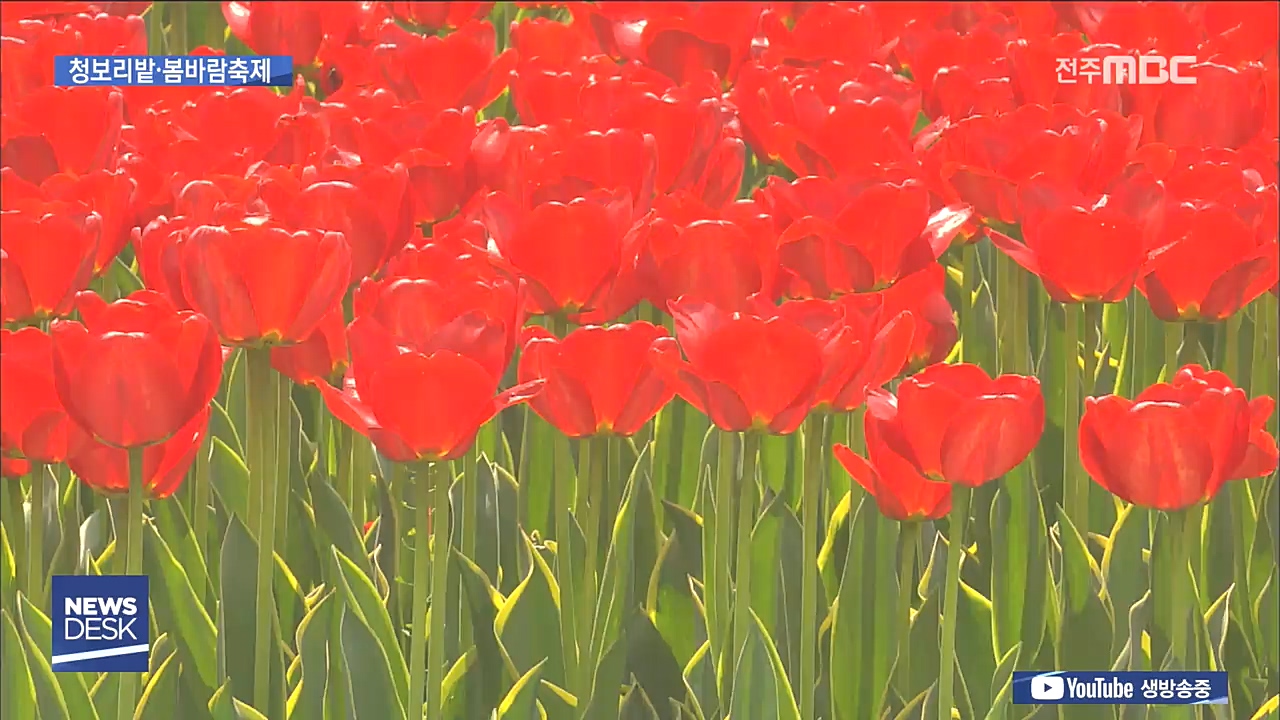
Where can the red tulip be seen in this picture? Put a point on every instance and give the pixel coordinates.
(569, 253)
(15, 468)
(1218, 263)
(900, 491)
(62, 129)
(743, 372)
(288, 28)
(1081, 253)
(321, 358)
(1175, 444)
(455, 71)
(49, 249)
(164, 465)
(1261, 456)
(598, 380)
(1227, 107)
(416, 406)
(921, 294)
(136, 371)
(858, 353)
(370, 206)
(849, 34)
(875, 234)
(447, 295)
(434, 16)
(956, 424)
(723, 256)
(259, 283)
(33, 423)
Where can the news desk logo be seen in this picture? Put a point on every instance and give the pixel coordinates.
(1128, 70)
(100, 623)
(1119, 688)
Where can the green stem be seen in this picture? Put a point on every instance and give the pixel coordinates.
(467, 523)
(593, 459)
(200, 497)
(128, 697)
(440, 477)
(178, 28)
(1173, 336)
(35, 550)
(960, 495)
(15, 522)
(155, 28)
(718, 576)
(968, 314)
(746, 522)
(1140, 342)
(421, 583)
(1075, 485)
(361, 471)
(284, 470)
(814, 458)
(1244, 516)
(263, 402)
(1180, 525)
(906, 591)
(562, 467)
(346, 447)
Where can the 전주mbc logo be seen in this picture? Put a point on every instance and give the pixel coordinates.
(1128, 70)
(100, 623)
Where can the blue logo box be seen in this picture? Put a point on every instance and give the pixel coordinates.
(1119, 688)
(173, 70)
(101, 623)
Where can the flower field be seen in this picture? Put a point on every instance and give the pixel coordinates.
(640, 360)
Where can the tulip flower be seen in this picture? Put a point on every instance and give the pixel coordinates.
(743, 372)
(136, 371)
(568, 253)
(164, 465)
(49, 250)
(1177, 443)
(321, 358)
(415, 405)
(33, 423)
(447, 284)
(259, 283)
(598, 380)
(877, 234)
(923, 296)
(1216, 264)
(84, 138)
(686, 248)
(900, 491)
(956, 424)
(108, 194)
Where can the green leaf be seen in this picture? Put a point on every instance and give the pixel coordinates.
(831, 557)
(777, 562)
(1020, 574)
(222, 428)
(224, 706)
(669, 600)
(864, 629)
(230, 477)
(607, 686)
(362, 599)
(37, 627)
(491, 663)
(652, 663)
(334, 523)
(761, 691)
(17, 689)
(123, 278)
(637, 706)
(178, 607)
(618, 581)
(1124, 572)
(1086, 614)
(529, 622)
(237, 619)
(307, 699)
(160, 696)
(370, 684)
(49, 698)
(521, 703)
(1002, 685)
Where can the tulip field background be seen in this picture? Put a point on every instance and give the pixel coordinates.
(629, 361)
